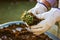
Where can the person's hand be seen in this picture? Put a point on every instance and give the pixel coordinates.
(38, 9)
(50, 18)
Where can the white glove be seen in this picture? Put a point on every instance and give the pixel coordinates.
(50, 18)
(39, 8)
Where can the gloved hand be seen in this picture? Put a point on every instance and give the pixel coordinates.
(39, 8)
(50, 18)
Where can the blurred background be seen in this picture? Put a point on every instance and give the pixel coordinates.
(11, 10)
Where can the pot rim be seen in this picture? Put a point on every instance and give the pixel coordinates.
(52, 36)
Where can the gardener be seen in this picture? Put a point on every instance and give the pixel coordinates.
(41, 12)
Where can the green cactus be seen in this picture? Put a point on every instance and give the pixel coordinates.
(29, 18)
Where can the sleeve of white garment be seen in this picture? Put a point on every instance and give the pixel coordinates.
(52, 2)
